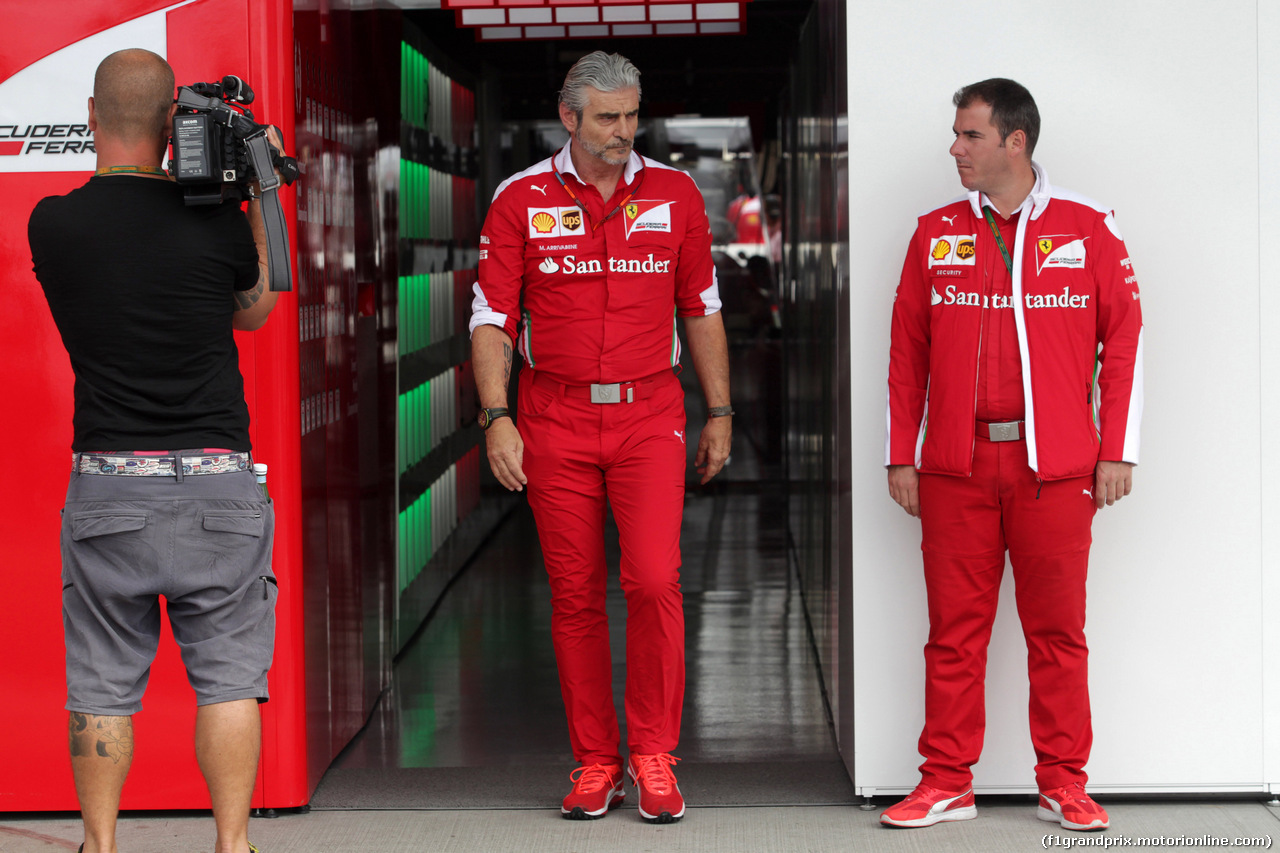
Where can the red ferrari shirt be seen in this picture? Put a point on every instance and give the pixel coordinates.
(590, 288)
(1000, 367)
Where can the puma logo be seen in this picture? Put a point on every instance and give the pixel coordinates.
(541, 189)
(679, 435)
(950, 220)
(1087, 493)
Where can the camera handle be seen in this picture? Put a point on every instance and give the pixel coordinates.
(279, 270)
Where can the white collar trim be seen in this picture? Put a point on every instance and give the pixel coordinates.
(1038, 200)
(564, 165)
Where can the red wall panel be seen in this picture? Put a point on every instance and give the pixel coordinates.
(328, 438)
(203, 41)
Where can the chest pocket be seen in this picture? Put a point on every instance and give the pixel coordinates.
(653, 235)
(1058, 253)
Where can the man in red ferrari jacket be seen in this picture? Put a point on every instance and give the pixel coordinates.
(1015, 395)
(586, 259)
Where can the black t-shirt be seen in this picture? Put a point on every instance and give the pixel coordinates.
(140, 287)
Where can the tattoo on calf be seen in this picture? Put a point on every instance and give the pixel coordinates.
(106, 737)
(76, 727)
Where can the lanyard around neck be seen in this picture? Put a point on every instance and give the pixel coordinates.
(583, 207)
(131, 170)
(1008, 262)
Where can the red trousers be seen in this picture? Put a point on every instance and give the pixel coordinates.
(578, 454)
(967, 524)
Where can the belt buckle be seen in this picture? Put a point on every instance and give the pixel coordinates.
(611, 393)
(1004, 432)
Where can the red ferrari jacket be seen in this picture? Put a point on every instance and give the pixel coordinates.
(1078, 315)
(590, 291)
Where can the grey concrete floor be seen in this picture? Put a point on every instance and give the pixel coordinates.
(740, 574)
(1000, 827)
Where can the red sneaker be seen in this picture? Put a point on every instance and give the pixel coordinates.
(1071, 807)
(660, 799)
(596, 789)
(926, 806)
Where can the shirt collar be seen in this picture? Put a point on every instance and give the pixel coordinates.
(564, 165)
(1037, 201)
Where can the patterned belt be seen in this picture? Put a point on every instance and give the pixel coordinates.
(159, 466)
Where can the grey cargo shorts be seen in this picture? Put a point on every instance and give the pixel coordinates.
(204, 544)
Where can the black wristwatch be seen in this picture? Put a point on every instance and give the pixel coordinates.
(488, 416)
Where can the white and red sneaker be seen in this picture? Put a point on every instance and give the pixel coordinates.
(596, 789)
(660, 798)
(1072, 808)
(926, 806)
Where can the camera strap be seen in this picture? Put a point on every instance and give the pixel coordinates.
(279, 270)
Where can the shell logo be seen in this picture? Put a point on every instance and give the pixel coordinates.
(941, 249)
(964, 249)
(1046, 246)
(543, 222)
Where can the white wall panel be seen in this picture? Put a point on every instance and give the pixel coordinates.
(1269, 330)
(1154, 109)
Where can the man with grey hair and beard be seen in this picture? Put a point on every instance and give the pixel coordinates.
(162, 500)
(586, 260)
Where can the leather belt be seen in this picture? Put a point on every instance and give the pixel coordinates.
(611, 392)
(131, 465)
(1001, 431)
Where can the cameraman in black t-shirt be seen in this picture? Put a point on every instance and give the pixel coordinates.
(162, 500)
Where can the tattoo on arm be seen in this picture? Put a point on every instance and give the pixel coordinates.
(506, 365)
(248, 298)
(106, 737)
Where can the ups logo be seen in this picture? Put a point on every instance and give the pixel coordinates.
(964, 249)
(571, 220)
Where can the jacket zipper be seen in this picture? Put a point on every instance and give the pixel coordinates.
(987, 284)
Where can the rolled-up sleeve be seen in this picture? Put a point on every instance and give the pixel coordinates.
(697, 289)
(501, 272)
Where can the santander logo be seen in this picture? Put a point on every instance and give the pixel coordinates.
(1066, 299)
(570, 265)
